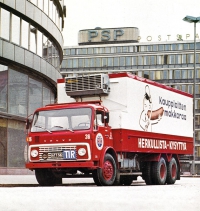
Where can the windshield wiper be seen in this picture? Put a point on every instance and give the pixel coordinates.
(42, 128)
(70, 130)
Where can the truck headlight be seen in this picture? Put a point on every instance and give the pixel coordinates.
(34, 153)
(82, 151)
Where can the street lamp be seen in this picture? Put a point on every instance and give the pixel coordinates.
(191, 19)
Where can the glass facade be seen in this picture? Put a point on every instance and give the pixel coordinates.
(170, 63)
(30, 57)
(22, 33)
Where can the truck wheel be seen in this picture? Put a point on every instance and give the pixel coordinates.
(95, 177)
(172, 170)
(126, 180)
(46, 177)
(159, 172)
(147, 173)
(107, 174)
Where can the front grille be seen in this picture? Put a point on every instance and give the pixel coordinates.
(55, 149)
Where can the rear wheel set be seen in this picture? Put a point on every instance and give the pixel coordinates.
(160, 172)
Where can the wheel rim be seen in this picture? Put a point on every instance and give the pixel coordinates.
(162, 171)
(173, 171)
(108, 170)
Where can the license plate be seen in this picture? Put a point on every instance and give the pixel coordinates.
(69, 154)
(56, 155)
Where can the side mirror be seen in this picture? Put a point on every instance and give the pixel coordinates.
(27, 124)
(106, 117)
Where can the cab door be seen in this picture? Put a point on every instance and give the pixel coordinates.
(103, 134)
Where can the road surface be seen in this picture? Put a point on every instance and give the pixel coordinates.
(23, 193)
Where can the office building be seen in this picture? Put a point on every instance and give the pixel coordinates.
(118, 50)
(31, 45)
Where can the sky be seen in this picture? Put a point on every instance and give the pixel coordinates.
(155, 19)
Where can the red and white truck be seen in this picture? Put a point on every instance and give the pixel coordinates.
(112, 127)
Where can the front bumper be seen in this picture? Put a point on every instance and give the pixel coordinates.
(34, 165)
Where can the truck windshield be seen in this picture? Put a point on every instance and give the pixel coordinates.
(63, 119)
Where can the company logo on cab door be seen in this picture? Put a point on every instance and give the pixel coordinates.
(99, 141)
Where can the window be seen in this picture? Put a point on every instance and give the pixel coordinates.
(87, 63)
(17, 93)
(146, 60)
(146, 74)
(104, 62)
(119, 49)
(190, 89)
(152, 75)
(140, 60)
(90, 50)
(184, 88)
(171, 59)
(184, 61)
(15, 29)
(75, 63)
(158, 75)
(159, 59)
(152, 60)
(177, 59)
(180, 46)
(39, 43)
(107, 50)
(174, 47)
(165, 74)
(160, 47)
(177, 74)
(128, 61)
(116, 61)
(98, 62)
(155, 47)
(3, 87)
(81, 63)
(122, 61)
(190, 58)
(46, 96)
(149, 48)
(35, 95)
(69, 63)
(134, 60)
(125, 49)
(184, 74)
(110, 62)
(167, 47)
(197, 89)
(92, 64)
(73, 51)
(25, 34)
(5, 24)
(171, 74)
(165, 59)
(33, 32)
(190, 74)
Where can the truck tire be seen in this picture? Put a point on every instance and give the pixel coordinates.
(106, 175)
(46, 177)
(147, 173)
(96, 178)
(172, 170)
(159, 172)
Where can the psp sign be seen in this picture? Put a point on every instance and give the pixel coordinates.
(105, 34)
